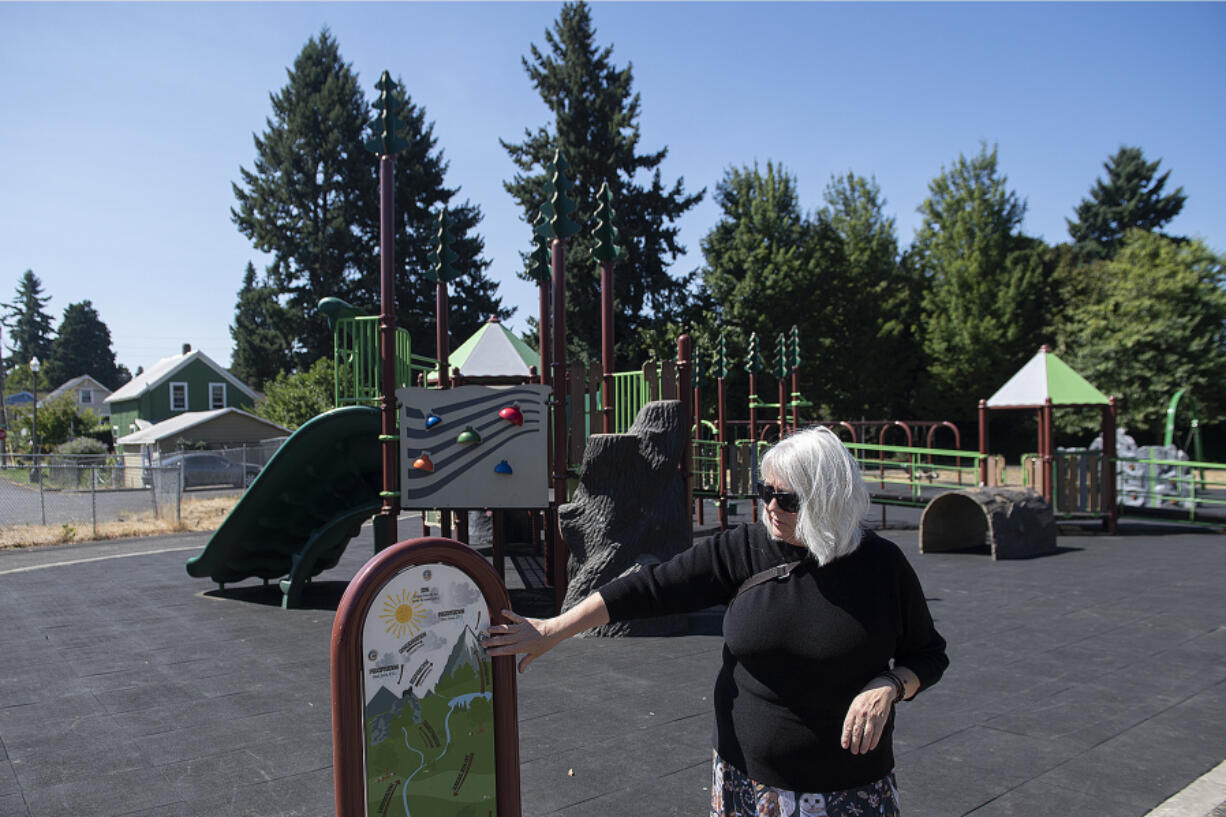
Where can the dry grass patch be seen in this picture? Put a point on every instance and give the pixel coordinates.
(196, 515)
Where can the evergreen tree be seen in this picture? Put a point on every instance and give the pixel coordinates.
(421, 190)
(83, 346)
(312, 201)
(984, 306)
(1152, 320)
(879, 315)
(311, 183)
(595, 124)
(261, 350)
(1131, 197)
(29, 326)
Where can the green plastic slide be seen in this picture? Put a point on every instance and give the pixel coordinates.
(312, 497)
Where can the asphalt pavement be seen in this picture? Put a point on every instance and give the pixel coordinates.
(1089, 682)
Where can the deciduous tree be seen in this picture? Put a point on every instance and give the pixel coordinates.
(768, 267)
(879, 304)
(292, 399)
(1152, 321)
(985, 300)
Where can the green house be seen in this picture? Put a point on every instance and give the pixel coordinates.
(190, 381)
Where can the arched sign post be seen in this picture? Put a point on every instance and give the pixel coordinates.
(424, 723)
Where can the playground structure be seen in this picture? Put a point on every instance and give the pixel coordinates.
(374, 361)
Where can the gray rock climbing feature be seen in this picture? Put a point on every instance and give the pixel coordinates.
(629, 510)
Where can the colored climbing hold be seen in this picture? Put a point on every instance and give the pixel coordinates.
(502, 467)
(432, 420)
(423, 463)
(468, 436)
(512, 414)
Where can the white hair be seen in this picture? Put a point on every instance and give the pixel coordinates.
(815, 464)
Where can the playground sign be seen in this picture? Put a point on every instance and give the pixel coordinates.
(423, 721)
(474, 447)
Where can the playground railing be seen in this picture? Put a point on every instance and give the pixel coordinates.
(899, 475)
(1173, 486)
(633, 390)
(357, 361)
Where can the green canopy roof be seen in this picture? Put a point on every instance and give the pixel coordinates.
(493, 351)
(1044, 376)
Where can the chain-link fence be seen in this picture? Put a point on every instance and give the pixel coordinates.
(84, 491)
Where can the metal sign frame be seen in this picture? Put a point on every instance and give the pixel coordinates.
(348, 705)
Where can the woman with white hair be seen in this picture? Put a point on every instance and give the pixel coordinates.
(826, 630)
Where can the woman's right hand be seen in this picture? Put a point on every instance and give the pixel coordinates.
(531, 637)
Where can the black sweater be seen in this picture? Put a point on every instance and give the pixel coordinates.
(797, 651)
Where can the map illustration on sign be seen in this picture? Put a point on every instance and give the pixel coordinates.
(427, 690)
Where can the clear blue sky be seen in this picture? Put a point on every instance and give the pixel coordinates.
(122, 126)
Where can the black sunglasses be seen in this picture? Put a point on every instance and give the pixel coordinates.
(788, 501)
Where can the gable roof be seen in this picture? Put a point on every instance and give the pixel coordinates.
(1044, 376)
(76, 383)
(190, 419)
(161, 371)
(494, 351)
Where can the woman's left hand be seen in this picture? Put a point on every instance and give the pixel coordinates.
(867, 716)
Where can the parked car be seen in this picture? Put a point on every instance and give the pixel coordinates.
(204, 468)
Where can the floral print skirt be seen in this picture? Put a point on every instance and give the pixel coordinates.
(735, 794)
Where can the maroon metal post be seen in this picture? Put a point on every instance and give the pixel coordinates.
(1049, 451)
(606, 343)
(696, 412)
(545, 337)
(722, 427)
(795, 398)
(753, 427)
(783, 410)
(546, 373)
(983, 442)
(389, 439)
(558, 262)
(443, 348)
(684, 349)
(1108, 468)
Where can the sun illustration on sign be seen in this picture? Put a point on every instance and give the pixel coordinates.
(401, 613)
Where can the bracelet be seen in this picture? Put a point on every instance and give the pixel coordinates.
(900, 689)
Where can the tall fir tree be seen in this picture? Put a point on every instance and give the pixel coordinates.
(311, 182)
(312, 202)
(421, 189)
(82, 345)
(29, 326)
(879, 313)
(986, 294)
(1131, 197)
(261, 349)
(595, 124)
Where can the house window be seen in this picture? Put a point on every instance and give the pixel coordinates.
(87, 397)
(217, 395)
(178, 397)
